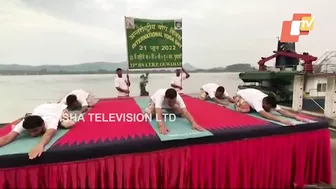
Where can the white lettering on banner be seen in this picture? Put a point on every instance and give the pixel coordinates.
(119, 117)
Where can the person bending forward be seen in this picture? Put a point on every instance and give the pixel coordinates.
(78, 99)
(172, 102)
(252, 99)
(44, 120)
(216, 93)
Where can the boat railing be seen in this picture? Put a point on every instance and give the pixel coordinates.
(326, 63)
(318, 68)
(248, 84)
(281, 68)
(312, 93)
(326, 57)
(325, 68)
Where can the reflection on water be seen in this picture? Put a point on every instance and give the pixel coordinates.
(20, 94)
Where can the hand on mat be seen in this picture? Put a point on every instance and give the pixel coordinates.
(197, 127)
(302, 119)
(286, 122)
(36, 152)
(163, 130)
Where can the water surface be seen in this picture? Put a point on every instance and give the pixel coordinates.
(20, 94)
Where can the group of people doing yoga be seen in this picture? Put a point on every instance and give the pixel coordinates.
(46, 118)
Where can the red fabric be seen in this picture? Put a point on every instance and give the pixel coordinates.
(268, 162)
(7, 128)
(213, 116)
(103, 129)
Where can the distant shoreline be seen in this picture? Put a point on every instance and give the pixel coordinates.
(105, 73)
(108, 68)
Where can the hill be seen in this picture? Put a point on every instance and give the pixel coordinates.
(84, 67)
(102, 68)
(237, 68)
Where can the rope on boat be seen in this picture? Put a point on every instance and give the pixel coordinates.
(317, 104)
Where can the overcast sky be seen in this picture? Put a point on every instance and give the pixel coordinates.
(215, 32)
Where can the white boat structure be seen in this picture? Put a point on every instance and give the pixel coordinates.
(319, 87)
(300, 82)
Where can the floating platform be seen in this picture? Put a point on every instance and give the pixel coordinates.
(236, 150)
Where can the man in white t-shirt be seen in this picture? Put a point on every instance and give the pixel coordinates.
(78, 99)
(121, 84)
(45, 120)
(176, 81)
(171, 101)
(143, 84)
(264, 104)
(216, 93)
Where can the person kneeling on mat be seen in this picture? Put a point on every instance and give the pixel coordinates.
(212, 91)
(172, 102)
(44, 119)
(248, 100)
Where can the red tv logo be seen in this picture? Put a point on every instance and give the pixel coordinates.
(301, 24)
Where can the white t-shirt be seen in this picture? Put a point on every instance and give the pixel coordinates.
(81, 97)
(51, 114)
(254, 98)
(159, 99)
(121, 83)
(177, 80)
(211, 88)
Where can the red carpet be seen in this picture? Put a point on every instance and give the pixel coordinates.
(104, 129)
(7, 128)
(267, 162)
(212, 116)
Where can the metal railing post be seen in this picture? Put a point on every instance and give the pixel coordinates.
(330, 98)
(298, 86)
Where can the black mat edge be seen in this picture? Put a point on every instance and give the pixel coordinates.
(83, 151)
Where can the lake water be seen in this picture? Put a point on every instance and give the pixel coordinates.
(21, 94)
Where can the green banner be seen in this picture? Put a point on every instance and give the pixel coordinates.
(153, 44)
